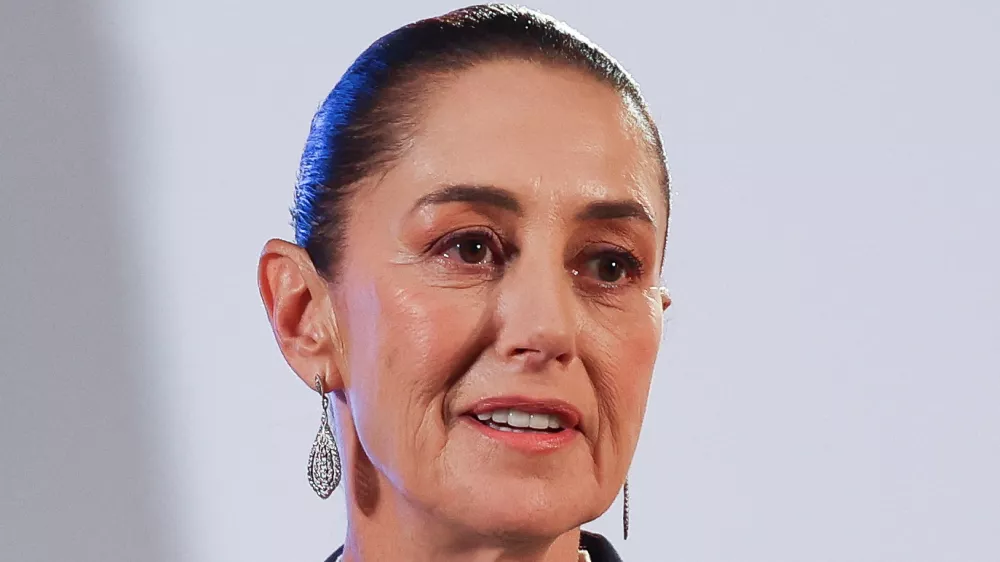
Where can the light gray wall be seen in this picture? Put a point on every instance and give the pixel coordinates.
(827, 388)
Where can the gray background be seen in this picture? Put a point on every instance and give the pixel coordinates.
(828, 385)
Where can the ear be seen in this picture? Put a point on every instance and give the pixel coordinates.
(298, 306)
(665, 298)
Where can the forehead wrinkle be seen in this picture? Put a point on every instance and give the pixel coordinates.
(602, 146)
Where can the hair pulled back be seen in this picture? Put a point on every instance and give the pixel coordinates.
(365, 123)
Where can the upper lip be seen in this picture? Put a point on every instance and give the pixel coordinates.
(568, 415)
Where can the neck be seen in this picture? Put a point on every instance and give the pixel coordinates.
(422, 543)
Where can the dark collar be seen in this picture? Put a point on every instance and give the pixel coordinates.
(598, 547)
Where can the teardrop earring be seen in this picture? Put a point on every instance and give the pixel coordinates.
(324, 458)
(625, 510)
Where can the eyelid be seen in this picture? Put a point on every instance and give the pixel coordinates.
(448, 241)
(634, 266)
(504, 252)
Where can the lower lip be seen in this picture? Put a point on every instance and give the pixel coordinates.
(526, 441)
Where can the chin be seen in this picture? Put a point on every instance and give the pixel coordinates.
(515, 526)
(525, 508)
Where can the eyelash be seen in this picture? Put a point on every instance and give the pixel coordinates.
(634, 266)
(493, 244)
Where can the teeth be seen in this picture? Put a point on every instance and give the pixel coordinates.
(520, 420)
(539, 421)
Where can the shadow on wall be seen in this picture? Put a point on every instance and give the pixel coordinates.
(75, 481)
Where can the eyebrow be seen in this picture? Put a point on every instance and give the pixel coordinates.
(501, 198)
(617, 209)
(481, 194)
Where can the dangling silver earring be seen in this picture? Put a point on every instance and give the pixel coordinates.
(324, 459)
(625, 510)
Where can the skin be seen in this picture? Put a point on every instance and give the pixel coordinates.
(411, 334)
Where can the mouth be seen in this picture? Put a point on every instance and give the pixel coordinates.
(519, 421)
(526, 424)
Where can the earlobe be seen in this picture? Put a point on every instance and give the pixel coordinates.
(298, 308)
(665, 298)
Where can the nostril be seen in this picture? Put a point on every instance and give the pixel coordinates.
(537, 358)
(536, 345)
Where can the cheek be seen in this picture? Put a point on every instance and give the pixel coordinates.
(428, 334)
(640, 356)
(627, 346)
(640, 347)
(405, 347)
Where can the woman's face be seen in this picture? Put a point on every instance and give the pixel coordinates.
(506, 266)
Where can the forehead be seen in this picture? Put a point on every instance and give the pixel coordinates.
(544, 131)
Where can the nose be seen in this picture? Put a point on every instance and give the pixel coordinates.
(537, 312)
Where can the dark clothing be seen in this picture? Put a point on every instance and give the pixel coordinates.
(598, 547)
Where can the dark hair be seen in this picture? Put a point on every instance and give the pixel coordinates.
(365, 122)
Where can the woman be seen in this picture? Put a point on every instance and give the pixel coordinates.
(480, 220)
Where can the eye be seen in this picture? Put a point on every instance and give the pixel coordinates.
(473, 248)
(470, 251)
(609, 268)
(612, 267)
